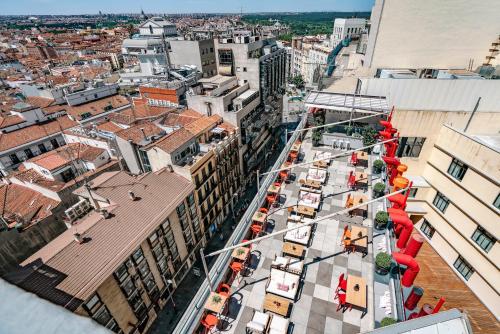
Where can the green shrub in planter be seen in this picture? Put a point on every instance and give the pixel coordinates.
(383, 263)
(378, 165)
(381, 219)
(378, 189)
(387, 321)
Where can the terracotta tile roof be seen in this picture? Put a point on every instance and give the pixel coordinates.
(203, 124)
(181, 119)
(19, 203)
(41, 102)
(82, 268)
(109, 127)
(34, 132)
(97, 107)
(62, 156)
(54, 109)
(10, 120)
(173, 141)
(32, 176)
(135, 133)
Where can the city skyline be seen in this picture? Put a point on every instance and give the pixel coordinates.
(54, 7)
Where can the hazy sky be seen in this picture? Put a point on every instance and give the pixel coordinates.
(34, 7)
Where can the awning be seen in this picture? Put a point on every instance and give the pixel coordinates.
(347, 102)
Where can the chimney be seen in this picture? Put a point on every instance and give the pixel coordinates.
(78, 238)
(132, 195)
(104, 213)
(170, 168)
(93, 201)
(144, 134)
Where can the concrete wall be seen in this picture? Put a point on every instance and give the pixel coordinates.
(90, 95)
(199, 53)
(415, 123)
(431, 34)
(16, 246)
(127, 151)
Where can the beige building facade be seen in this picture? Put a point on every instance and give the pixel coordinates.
(458, 195)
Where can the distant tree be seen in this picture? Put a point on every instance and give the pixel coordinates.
(285, 37)
(298, 81)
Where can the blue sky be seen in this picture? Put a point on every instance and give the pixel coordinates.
(37, 7)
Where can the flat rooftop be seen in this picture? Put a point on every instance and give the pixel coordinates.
(347, 102)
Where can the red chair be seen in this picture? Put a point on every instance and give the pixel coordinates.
(224, 289)
(264, 210)
(271, 199)
(209, 322)
(236, 267)
(351, 180)
(256, 229)
(249, 246)
(343, 302)
(342, 285)
(354, 159)
(283, 175)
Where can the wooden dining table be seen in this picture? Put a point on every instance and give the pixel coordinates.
(356, 291)
(293, 249)
(295, 147)
(361, 178)
(311, 184)
(358, 199)
(305, 211)
(359, 238)
(273, 189)
(215, 302)
(276, 304)
(259, 217)
(240, 253)
(320, 164)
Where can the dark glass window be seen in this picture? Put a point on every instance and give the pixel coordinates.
(441, 202)
(427, 229)
(29, 153)
(496, 204)
(138, 255)
(457, 169)
(413, 192)
(464, 268)
(483, 239)
(410, 146)
(14, 159)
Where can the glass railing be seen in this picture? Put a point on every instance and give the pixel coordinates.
(193, 313)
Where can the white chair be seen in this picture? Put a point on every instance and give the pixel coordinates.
(278, 325)
(348, 145)
(258, 324)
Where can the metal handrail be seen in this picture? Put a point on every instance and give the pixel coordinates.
(191, 317)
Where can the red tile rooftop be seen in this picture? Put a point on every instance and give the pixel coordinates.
(19, 203)
(34, 132)
(64, 155)
(136, 135)
(97, 107)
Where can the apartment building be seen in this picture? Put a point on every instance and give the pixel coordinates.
(346, 28)
(460, 196)
(112, 269)
(309, 58)
(200, 53)
(235, 103)
(262, 65)
(204, 151)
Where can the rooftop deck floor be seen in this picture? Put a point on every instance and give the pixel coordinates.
(434, 271)
(314, 309)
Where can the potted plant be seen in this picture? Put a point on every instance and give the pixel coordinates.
(383, 263)
(378, 189)
(369, 137)
(387, 321)
(316, 137)
(216, 299)
(381, 219)
(240, 252)
(378, 165)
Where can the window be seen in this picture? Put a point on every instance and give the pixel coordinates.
(42, 148)
(483, 239)
(14, 159)
(441, 202)
(145, 161)
(29, 153)
(463, 268)
(457, 169)
(413, 192)
(54, 143)
(427, 229)
(496, 204)
(410, 146)
(138, 256)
